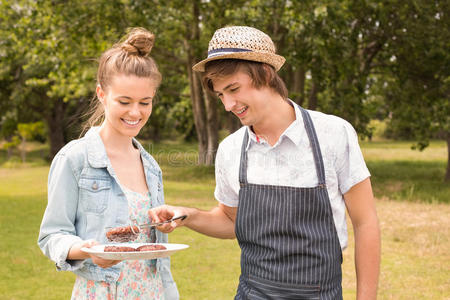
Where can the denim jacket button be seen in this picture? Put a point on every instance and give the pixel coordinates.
(159, 186)
(95, 186)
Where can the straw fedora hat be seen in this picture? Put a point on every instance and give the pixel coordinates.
(241, 42)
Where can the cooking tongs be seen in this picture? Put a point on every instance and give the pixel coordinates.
(129, 233)
(148, 225)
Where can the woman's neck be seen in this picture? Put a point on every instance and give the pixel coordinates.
(115, 143)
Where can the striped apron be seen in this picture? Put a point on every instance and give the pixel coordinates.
(289, 244)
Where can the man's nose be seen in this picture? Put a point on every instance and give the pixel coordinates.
(228, 102)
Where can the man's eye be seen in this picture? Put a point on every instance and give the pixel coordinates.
(234, 89)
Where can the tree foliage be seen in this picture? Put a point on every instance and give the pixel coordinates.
(355, 59)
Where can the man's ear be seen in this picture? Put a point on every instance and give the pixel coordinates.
(100, 94)
(268, 73)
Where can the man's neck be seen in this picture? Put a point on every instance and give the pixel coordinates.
(281, 116)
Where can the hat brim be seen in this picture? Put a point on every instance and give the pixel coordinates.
(274, 60)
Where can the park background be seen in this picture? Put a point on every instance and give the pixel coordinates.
(382, 65)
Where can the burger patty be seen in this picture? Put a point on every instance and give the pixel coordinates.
(131, 249)
(122, 234)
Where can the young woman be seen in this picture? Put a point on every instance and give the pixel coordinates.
(106, 179)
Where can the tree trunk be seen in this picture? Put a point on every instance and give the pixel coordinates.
(233, 123)
(9, 150)
(55, 123)
(9, 153)
(299, 86)
(312, 100)
(212, 128)
(447, 174)
(23, 149)
(205, 115)
(199, 112)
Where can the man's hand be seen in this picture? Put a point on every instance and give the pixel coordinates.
(167, 212)
(218, 222)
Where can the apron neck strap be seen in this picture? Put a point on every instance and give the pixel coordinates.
(315, 147)
(243, 164)
(309, 126)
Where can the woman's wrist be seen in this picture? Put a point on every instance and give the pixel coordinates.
(75, 252)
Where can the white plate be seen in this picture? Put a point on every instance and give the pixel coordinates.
(170, 249)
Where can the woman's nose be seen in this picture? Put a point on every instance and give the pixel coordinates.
(134, 110)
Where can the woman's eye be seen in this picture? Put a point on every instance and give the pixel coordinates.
(145, 103)
(123, 103)
(234, 90)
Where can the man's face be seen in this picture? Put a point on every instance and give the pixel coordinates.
(240, 97)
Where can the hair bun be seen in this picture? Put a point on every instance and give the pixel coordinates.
(138, 41)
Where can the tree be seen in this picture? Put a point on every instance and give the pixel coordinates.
(183, 29)
(416, 84)
(49, 49)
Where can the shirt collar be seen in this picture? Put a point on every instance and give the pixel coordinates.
(294, 131)
(96, 151)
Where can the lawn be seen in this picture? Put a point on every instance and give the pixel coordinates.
(412, 207)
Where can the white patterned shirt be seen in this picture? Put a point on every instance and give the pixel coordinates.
(290, 162)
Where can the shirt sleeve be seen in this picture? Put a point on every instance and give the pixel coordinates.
(350, 165)
(224, 192)
(57, 233)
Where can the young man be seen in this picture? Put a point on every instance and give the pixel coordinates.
(283, 181)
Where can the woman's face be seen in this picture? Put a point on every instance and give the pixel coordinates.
(128, 104)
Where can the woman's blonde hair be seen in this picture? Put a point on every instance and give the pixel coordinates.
(128, 57)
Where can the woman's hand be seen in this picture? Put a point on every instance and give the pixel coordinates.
(75, 253)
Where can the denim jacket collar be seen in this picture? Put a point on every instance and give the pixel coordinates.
(97, 156)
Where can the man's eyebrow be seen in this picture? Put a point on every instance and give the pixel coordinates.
(227, 87)
(129, 98)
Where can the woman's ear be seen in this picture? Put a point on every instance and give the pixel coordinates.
(100, 94)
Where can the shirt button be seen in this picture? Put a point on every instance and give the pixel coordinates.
(95, 186)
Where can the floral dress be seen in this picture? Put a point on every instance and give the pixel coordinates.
(139, 279)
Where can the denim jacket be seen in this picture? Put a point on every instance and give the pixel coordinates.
(85, 197)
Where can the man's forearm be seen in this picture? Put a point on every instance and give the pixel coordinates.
(367, 260)
(214, 223)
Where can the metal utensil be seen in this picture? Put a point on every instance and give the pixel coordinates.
(129, 233)
(161, 223)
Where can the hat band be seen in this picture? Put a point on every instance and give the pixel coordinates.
(225, 51)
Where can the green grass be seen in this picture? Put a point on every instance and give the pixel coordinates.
(400, 173)
(414, 222)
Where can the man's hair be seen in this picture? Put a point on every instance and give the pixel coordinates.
(261, 74)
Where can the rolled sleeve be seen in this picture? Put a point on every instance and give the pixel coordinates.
(350, 165)
(224, 191)
(57, 233)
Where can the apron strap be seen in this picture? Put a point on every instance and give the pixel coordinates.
(309, 126)
(243, 164)
(315, 147)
